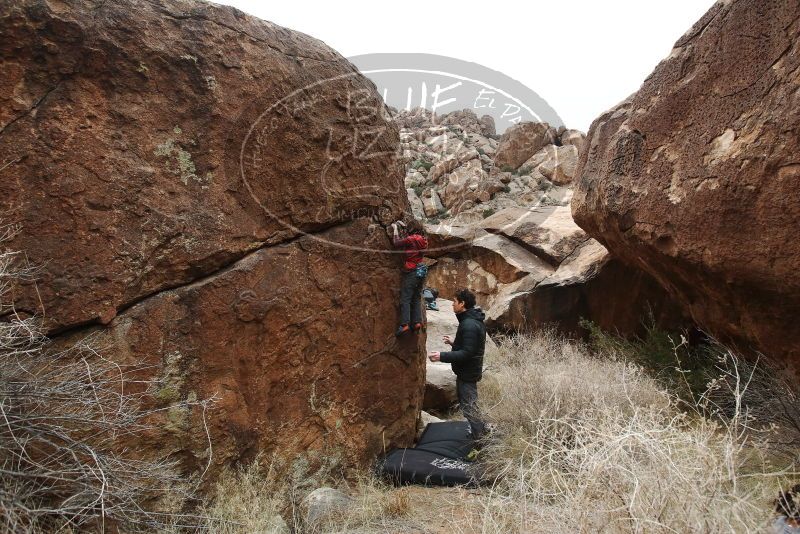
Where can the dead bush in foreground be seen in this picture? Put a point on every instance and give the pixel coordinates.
(588, 443)
(63, 417)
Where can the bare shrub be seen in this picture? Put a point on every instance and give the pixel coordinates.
(65, 415)
(765, 399)
(710, 378)
(593, 444)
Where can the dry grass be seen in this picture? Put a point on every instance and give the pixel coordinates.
(582, 443)
(250, 500)
(269, 497)
(376, 507)
(589, 444)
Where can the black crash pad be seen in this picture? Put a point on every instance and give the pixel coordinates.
(439, 458)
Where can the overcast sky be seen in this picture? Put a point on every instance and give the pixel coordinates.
(581, 56)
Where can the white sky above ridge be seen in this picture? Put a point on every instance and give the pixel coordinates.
(582, 57)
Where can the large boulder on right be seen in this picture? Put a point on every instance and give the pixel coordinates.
(694, 178)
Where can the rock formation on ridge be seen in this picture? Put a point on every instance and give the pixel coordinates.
(506, 231)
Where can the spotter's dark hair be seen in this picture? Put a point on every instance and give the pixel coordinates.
(467, 297)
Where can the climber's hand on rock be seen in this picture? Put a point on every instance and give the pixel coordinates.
(447, 340)
(434, 356)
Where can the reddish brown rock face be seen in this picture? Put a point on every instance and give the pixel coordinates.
(203, 183)
(694, 178)
(296, 342)
(146, 144)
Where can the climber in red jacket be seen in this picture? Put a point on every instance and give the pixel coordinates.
(414, 244)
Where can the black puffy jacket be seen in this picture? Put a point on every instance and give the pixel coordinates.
(468, 346)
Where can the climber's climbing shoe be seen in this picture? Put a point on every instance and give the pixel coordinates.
(402, 329)
(418, 327)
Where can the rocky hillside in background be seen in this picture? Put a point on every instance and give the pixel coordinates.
(185, 208)
(497, 213)
(459, 170)
(694, 178)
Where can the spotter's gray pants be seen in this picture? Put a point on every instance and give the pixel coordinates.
(468, 400)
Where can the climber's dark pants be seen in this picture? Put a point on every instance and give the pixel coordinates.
(410, 301)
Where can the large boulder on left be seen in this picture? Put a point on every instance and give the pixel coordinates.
(208, 191)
